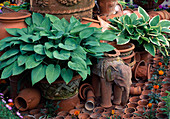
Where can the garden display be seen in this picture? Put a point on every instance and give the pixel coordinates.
(95, 59)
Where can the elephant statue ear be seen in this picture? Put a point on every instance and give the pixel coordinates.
(111, 73)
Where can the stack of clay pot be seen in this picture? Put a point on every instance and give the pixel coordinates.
(163, 14)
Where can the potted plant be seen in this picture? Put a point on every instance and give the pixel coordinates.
(147, 34)
(52, 49)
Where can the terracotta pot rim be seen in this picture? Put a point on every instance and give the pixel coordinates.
(128, 57)
(14, 15)
(89, 19)
(83, 87)
(117, 53)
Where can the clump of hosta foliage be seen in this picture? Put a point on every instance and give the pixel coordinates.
(52, 48)
(149, 33)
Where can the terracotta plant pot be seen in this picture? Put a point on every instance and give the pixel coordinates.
(132, 104)
(137, 113)
(64, 9)
(134, 99)
(135, 90)
(140, 108)
(145, 97)
(143, 55)
(28, 98)
(71, 112)
(161, 116)
(63, 113)
(142, 102)
(98, 110)
(162, 104)
(94, 23)
(83, 116)
(127, 116)
(127, 11)
(140, 85)
(106, 114)
(12, 20)
(146, 92)
(130, 110)
(95, 115)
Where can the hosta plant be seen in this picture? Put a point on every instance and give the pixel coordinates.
(148, 33)
(52, 48)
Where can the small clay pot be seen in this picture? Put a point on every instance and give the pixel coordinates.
(142, 102)
(127, 116)
(134, 99)
(63, 113)
(106, 114)
(135, 90)
(145, 97)
(132, 104)
(34, 111)
(146, 92)
(95, 115)
(140, 84)
(69, 117)
(138, 113)
(148, 83)
(73, 110)
(98, 110)
(141, 108)
(28, 98)
(130, 110)
(162, 104)
(83, 116)
(79, 105)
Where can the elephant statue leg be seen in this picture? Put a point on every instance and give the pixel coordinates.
(117, 95)
(125, 96)
(96, 85)
(106, 91)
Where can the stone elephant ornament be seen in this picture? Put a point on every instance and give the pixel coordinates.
(111, 76)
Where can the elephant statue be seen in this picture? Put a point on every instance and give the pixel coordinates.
(111, 76)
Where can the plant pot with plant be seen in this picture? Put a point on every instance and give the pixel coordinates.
(145, 33)
(53, 50)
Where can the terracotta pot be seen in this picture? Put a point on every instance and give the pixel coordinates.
(136, 12)
(71, 112)
(64, 9)
(142, 102)
(132, 104)
(83, 116)
(63, 113)
(127, 116)
(106, 114)
(54, 91)
(98, 110)
(68, 104)
(107, 7)
(129, 110)
(127, 11)
(134, 99)
(28, 98)
(95, 115)
(94, 23)
(163, 14)
(12, 20)
(145, 97)
(149, 83)
(141, 108)
(146, 92)
(141, 70)
(149, 5)
(162, 104)
(137, 113)
(68, 117)
(135, 90)
(143, 55)
(140, 84)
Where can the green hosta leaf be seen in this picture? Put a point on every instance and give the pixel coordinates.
(52, 72)
(4, 45)
(63, 55)
(38, 73)
(163, 39)
(165, 30)
(31, 62)
(58, 26)
(22, 59)
(8, 39)
(67, 75)
(127, 20)
(9, 54)
(150, 48)
(38, 29)
(12, 31)
(7, 72)
(25, 30)
(155, 41)
(133, 18)
(144, 14)
(52, 17)
(165, 23)
(46, 24)
(39, 57)
(108, 35)
(154, 21)
(25, 38)
(49, 54)
(129, 29)
(8, 62)
(86, 32)
(121, 40)
(49, 45)
(57, 35)
(79, 52)
(37, 18)
(73, 19)
(83, 74)
(146, 39)
(70, 44)
(70, 27)
(28, 21)
(39, 49)
(28, 47)
(92, 41)
(78, 28)
(77, 64)
(88, 62)
(20, 32)
(64, 22)
(104, 47)
(17, 69)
